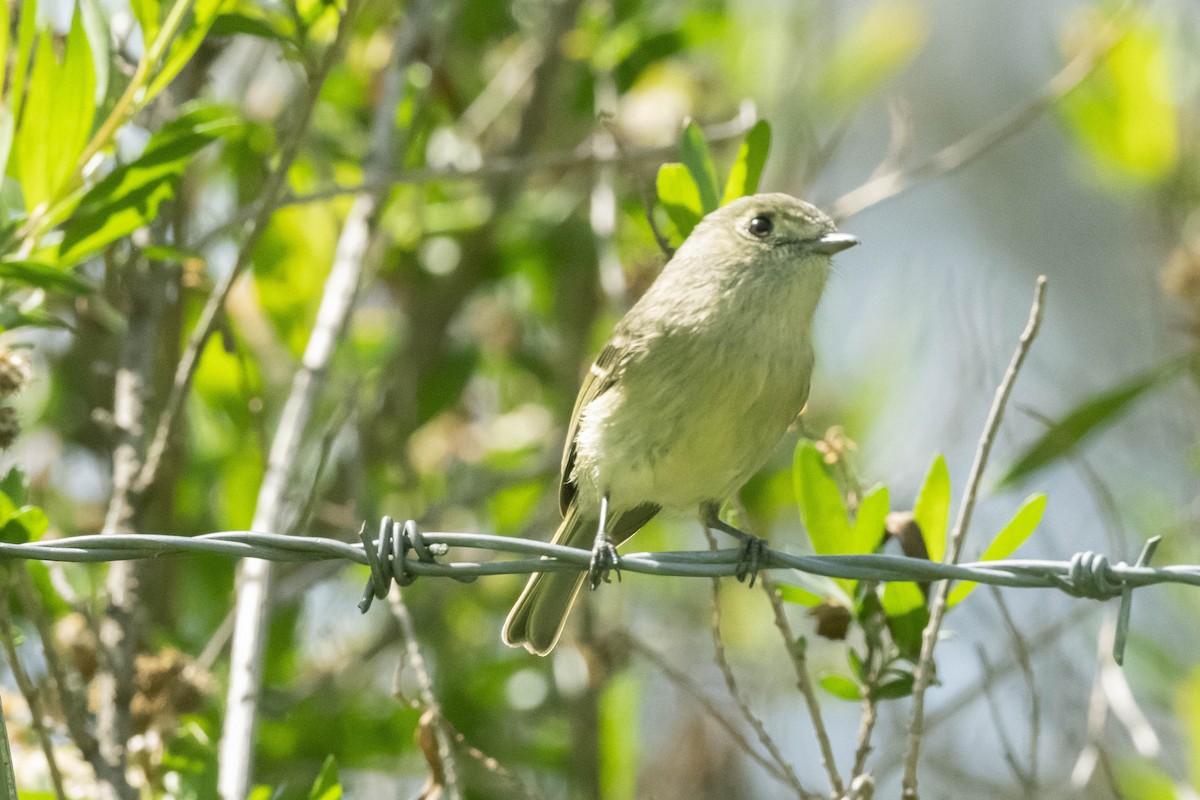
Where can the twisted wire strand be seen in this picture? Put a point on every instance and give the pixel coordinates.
(402, 553)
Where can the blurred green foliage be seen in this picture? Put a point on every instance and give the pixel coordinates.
(133, 161)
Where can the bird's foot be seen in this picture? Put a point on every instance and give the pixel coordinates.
(604, 561)
(750, 561)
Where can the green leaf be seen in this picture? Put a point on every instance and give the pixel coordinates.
(130, 195)
(6, 137)
(895, 689)
(5, 25)
(907, 615)
(1087, 418)
(26, 525)
(680, 197)
(748, 166)
(42, 276)
(256, 25)
(811, 590)
(149, 15)
(7, 511)
(204, 14)
(327, 786)
(867, 533)
(1124, 114)
(57, 120)
(932, 509)
(95, 25)
(1010, 537)
(840, 686)
(698, 160)
(25, 38)
(822, 508)
(13, 485)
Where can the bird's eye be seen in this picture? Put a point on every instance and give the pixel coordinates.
(761, 226)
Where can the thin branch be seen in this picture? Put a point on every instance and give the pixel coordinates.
(119, 629)
(1006, 744)
(985, 138)
(924, 671)
(870, 705)
(587, 156)
(255, 226)
(72, 698)
(416, 661)
(30, 692)
(1021, 649)
(735, 692)
(799, 659)
(707, 704)
(237, 741)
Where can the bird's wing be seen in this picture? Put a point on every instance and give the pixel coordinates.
(599, 379)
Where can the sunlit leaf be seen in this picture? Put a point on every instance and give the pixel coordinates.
(840, 686)
(95, 25)
(822, 507)
(42, 276)
(806, 589)
(28, 524)
(698, 159)
(327, 786)
(6, 137)
(58, 114)
(5, 24)
(27, 28)
(868, 530)
(1010, 537)
(679, 197)
(904, 604)
(748, 166)
(932, 509)
(204, 14)
(1090, 416)
(130, 195)
(1124, 113)
(148, 14)
(883, 42)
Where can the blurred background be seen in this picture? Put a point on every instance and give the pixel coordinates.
(970, 146)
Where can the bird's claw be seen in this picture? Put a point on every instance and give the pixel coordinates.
(604, 561)
(751, 558)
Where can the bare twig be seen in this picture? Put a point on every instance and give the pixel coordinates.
(71, 697)
(1006, 744)
(587, 155)
(119, 628)
(1021, 649)
(416, 661)
(30, 692)
(685, 682)
(735, 692)
(799, 659)
(237, 741)
(255, 225)
(488, 762)
(988, 136)
(924, 671)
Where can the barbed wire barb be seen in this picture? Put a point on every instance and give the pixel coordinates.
(402, 553)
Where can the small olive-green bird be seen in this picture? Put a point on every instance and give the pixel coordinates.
(692, 392)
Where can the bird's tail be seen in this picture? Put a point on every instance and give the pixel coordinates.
(540, 613)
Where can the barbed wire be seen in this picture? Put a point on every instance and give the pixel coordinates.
(402, 553)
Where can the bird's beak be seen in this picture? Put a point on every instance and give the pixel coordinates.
(832, 243)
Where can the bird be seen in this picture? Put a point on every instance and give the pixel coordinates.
(698, 382)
